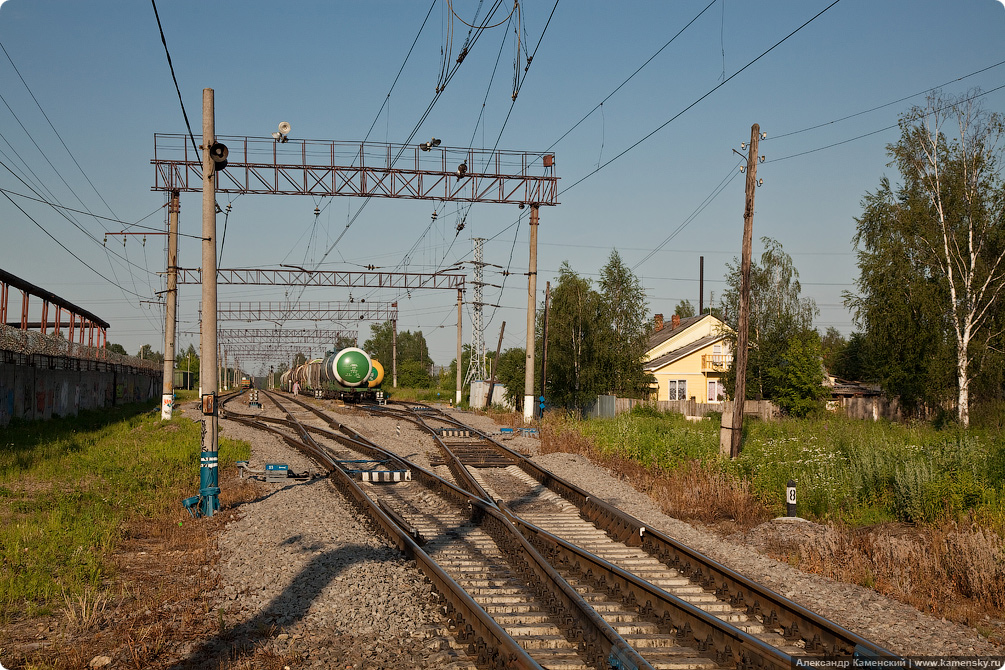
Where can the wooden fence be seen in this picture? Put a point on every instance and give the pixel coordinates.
(608, 406)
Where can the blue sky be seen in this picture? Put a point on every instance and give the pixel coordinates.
(99, 72)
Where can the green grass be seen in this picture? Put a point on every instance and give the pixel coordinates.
(68, 485)
(860, 472)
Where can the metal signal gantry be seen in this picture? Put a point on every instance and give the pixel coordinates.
(361, 169)
(307, 311)
(264, 336)
(261, 277)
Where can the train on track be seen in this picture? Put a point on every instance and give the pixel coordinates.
(350, 375)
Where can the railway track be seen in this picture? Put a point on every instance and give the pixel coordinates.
(534, 572)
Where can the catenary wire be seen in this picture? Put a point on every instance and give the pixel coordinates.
(693, 104)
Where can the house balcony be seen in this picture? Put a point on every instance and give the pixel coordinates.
(716, 362)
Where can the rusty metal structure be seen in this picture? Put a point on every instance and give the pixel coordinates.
(350, 279)
(80, 324)
(307, 311)
(361, 169)
(319, 337)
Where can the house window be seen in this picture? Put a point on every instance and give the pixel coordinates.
(677, 389)
(715, 390)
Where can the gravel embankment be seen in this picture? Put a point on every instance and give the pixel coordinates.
(300, 558)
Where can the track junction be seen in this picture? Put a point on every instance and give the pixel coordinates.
(533, 572)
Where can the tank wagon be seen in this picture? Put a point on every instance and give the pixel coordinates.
(350, 375)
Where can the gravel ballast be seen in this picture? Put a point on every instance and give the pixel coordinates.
(335, 593)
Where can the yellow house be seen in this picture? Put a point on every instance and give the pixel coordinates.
(688, 358)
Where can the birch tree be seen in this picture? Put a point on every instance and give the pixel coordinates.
(950, 154)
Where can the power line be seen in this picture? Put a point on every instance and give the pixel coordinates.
(720, 187)
(888, 104)
(874, 132)
(631, 76)
(128, 224)
(710, 92)
(82, 261)
(46, 116)
(173, 77)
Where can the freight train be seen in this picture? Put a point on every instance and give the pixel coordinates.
(350, 375)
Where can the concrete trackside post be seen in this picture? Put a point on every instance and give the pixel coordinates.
(209, 481)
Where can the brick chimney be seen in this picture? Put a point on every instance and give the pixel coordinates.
(659, 323)
(674, 322)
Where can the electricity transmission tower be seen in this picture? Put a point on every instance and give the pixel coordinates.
(477, 368)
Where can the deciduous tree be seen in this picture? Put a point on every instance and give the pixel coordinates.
(625, 327)
(948, 217)
(778, 314)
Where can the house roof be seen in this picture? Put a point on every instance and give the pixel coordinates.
(846, 388)
(681, 352)
(666, 332)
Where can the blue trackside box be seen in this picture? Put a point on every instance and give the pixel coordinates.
(276, 473)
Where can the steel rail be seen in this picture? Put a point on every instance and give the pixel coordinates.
(604, 637)
(602, 645)
(820, 635)
(475, 626)
(694, 626)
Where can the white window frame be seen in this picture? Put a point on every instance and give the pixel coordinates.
(715, 389)
(676, 389)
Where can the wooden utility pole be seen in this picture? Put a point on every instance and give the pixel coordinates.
(743, 325)
(495, 366)
(167, 387)
(701, 285)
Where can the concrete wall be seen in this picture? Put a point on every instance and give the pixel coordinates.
(38, 386)
(479, 391)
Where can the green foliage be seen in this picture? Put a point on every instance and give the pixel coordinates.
(596, 340)
(684, 309)
(658, 439)
(798, 376)
(414, 374)
(777, 369)
(146, 352)
(574, 341)
(905, 344)
(511, 373)
(67, 485)
(931, 253)
(832, 346)
(860, 472)
(116, 348)
(624, 329)
(411, 346)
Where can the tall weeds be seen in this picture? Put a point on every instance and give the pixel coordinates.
(861, 479)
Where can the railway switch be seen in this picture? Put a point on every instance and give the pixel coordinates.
(274, 473)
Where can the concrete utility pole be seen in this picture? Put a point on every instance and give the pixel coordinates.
(544, 340)
(167, 387)
(394, 353)
(740, 360)
(528, 381)
(460, 315)
(209, 476)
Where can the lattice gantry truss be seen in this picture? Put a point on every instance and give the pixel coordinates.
(339, 312)
(361, 169)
